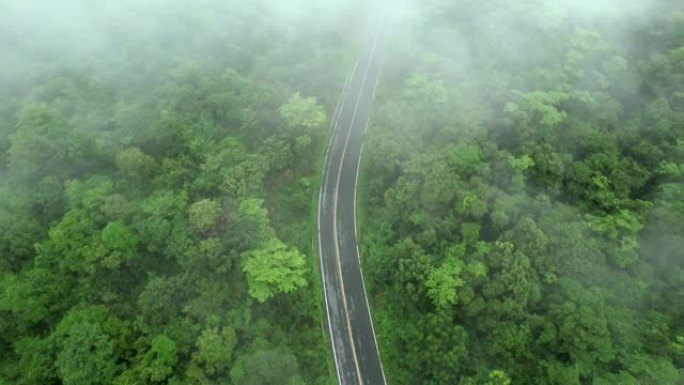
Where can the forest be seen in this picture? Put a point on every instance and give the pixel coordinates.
(158, 167)
(523, 194)
(521, 207)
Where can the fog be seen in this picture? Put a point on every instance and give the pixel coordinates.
(92, 23)
(501, 61)
(72, 29)
(161, 124)
(516, 29)
(553, 125)
(130, 41)
(520, 194)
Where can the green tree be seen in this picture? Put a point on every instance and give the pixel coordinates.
(86, 356)
(162, 299)
(161, 359)
(252, 224)
(274, 268)
(35, 296)
(268, 367)
(443, 282)
(215, 350)
(203, 214)
(134, 164)
(303, 113)
(120, 242)
(38, 146)
(36, 361)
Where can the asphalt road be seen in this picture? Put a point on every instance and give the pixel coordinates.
(349, 320)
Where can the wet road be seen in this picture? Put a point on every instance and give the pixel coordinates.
(351, 329)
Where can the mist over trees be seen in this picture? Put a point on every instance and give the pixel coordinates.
(158, 163)
(522, 193)
(522, 190)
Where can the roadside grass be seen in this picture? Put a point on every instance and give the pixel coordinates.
(293, 207)
(294, 217)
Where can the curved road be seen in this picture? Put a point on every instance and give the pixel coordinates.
(348, 316)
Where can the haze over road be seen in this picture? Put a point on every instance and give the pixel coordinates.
(351, 329)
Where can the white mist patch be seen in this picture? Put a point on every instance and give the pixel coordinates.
(297, 11)
(38, 22)
(605, 8)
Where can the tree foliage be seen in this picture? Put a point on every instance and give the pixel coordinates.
(273, 268)
(155, 176)
(302, 112)
(522, 204)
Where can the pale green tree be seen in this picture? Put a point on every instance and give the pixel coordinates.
(303, 112)
(215, 350)
(203, 214)
(274, 268)
(134, 164)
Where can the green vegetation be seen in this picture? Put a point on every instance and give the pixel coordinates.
(158, 167)
(524, 216)
(522, 191)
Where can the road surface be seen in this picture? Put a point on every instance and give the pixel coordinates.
(355, 349)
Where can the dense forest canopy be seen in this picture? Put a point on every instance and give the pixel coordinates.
(158, 167)
(522, 190)
(523, 193)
